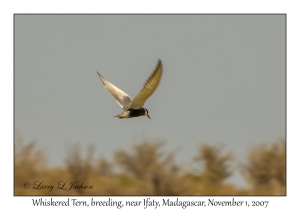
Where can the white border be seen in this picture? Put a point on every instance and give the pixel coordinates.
(8, 8)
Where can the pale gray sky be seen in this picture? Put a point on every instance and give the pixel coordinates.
(223, 80)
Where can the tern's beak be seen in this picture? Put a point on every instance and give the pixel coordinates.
(148, 117)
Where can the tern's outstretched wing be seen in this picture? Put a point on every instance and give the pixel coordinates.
(121, 97)
(148, 88)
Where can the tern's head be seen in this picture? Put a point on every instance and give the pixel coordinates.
(147, 113)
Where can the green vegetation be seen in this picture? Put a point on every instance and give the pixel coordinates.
(147, 170)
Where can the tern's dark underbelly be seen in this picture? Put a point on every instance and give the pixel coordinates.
(136, 112)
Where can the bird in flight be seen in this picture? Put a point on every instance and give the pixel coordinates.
(135, 107)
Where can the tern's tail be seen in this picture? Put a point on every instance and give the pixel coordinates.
(121, 116)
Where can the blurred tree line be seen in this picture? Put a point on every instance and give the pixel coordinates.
(148, 170)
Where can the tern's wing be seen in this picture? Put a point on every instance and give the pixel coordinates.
(121, 97)
(148, 89)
